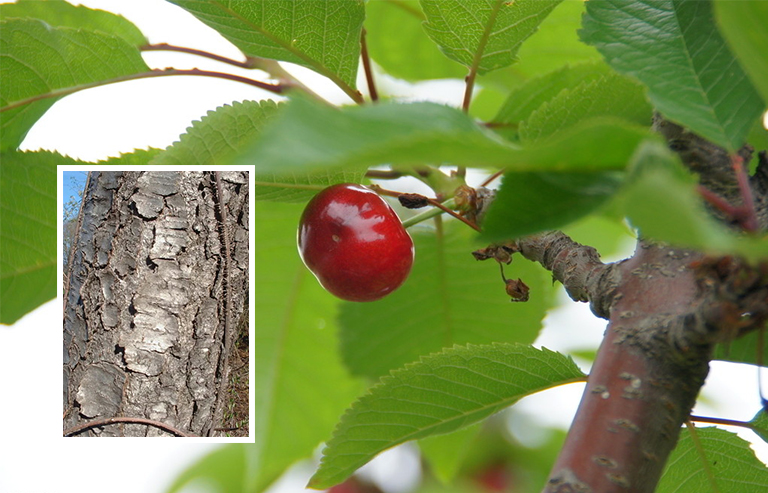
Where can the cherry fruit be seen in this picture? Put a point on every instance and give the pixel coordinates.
(354, 243)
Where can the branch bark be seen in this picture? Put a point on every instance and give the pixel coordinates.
(667, 308)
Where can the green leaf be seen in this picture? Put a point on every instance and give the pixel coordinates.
(483, 35)
(441, 393)
(223, 133)
(300, 386)
(410, 55)
(58, 13)
(556, 43)
(219, 135)
(449, 298)
(309, 137)
(660, 184)
(758, 139)
(743, 26)
(40, 61)
(445, 453)
(529, 202)
(27, 231)
(415, 133)
(321, 35)
(225, 467)
(674, 48)
(611, 95)
(760, 423)
(597, 144)
(139, 157)
(527, 98)
(733, 465)
(742, 350)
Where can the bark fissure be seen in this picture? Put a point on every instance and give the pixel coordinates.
(142, 335)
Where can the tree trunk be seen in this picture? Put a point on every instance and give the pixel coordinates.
(154, 299)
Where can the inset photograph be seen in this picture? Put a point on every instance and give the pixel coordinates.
(155, 284)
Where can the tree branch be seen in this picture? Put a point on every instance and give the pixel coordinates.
(576, 266)
(644, 381)
(668, 309)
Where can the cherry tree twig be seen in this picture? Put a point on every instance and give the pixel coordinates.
(272, 67)
(367, 67)
(56, 93)
(725, 422)
(427, 201)
(250, 62)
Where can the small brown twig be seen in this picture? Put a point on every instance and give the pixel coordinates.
(383, 174)
(432, 202)
(64, 91)
(749, 221)
(469, 87)
(492, 177)
(249, 62)
(745, 214)
(725, 422)
(367, 67)
(121, 419)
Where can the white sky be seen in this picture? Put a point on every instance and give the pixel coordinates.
(106, 121)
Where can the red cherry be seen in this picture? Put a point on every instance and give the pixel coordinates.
(354, 243)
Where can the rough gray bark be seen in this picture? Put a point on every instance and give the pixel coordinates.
(145, 310)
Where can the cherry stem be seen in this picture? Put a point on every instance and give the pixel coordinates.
(367, 67)
(432, 202)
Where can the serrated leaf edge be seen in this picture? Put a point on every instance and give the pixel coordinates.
(393, 374)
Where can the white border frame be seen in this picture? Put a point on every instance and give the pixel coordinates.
(251, 257)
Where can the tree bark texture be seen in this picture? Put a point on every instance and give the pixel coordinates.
(667, 308)
(145, 311)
